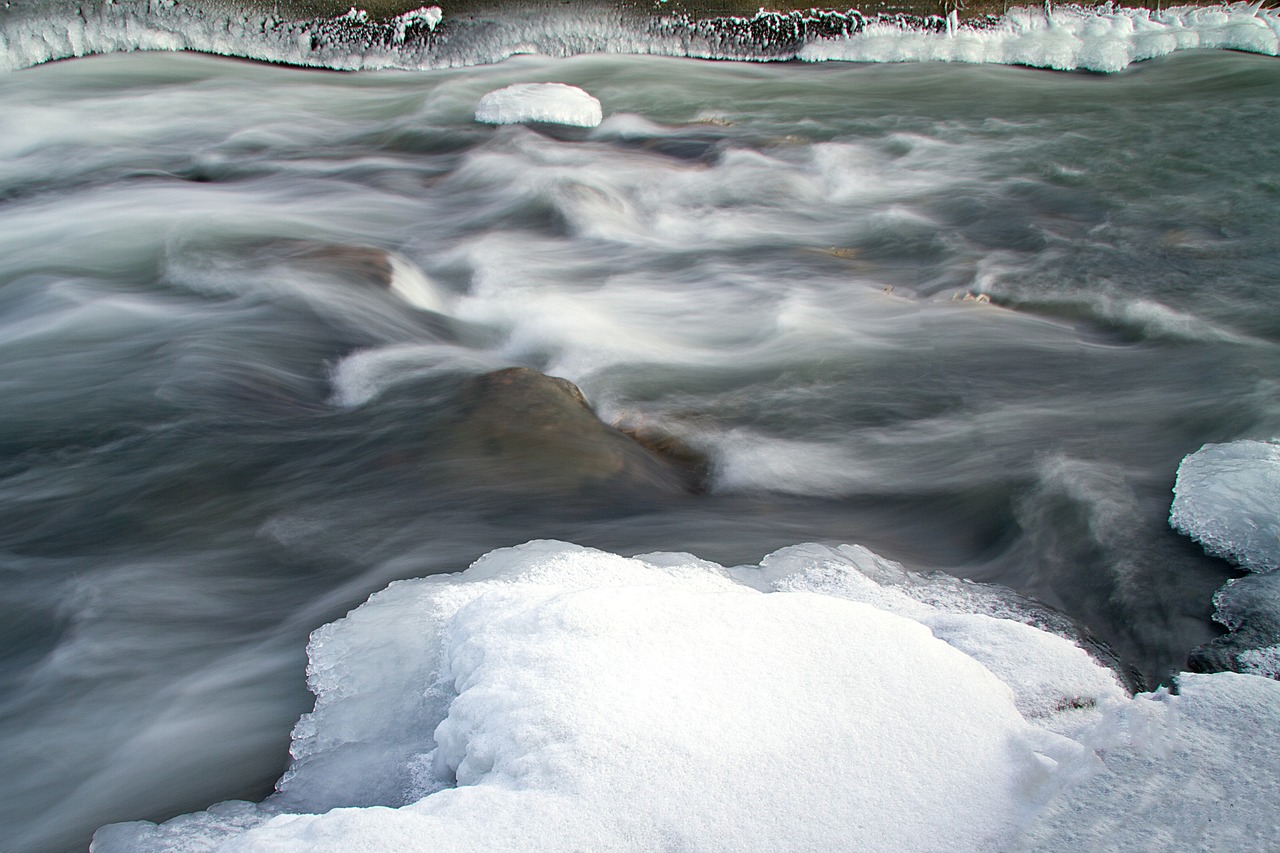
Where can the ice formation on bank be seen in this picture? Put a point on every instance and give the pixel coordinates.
(1227, 498)
(1097, 39)
(555, 697)
(1063, 38)
(552, 103)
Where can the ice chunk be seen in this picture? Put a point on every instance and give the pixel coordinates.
(1264, 661)
(1055, 683)
(1036, 651)
(427, 16)
(855, 573)
(553, 103)
(193, 833)
(1227, 498)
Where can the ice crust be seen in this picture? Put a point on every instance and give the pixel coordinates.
(1096, 39)
(1227, 498)
(1064, 37)
(552, 103)
(555, 697)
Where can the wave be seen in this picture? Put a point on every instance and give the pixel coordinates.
(1066, 38)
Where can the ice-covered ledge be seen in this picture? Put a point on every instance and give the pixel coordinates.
(405, 35)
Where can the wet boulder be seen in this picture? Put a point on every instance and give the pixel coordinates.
(525, 432)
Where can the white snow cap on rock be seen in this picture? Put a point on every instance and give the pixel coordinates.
(553, 103)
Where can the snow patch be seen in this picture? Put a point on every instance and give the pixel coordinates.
(555, 697)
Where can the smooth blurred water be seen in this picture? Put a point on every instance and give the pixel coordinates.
(216, 437)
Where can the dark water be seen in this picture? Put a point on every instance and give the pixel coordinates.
(219, 431)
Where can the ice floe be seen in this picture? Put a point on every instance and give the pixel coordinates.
(1227, 498)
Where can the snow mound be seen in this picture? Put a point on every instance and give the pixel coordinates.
(1227, 498)
(553, 697)
(552, 103)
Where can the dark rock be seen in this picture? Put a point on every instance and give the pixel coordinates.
(526, 432)
(693, 466)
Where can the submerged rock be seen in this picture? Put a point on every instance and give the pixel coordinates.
(368, 266)
(526, 432)
(356, 264)
(692, 464)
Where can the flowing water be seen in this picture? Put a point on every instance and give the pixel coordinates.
(220, 431)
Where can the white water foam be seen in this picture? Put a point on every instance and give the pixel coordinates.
(1227, 498)
(1101, 39)
(366, 374)
(1065, 38)
(552, 103)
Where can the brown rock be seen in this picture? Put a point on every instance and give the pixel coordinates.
(527, 432)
